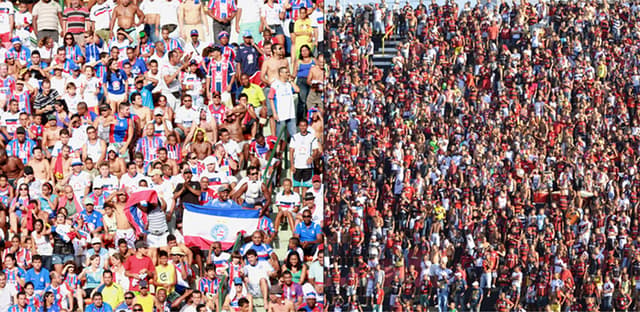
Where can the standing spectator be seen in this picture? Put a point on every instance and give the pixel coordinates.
(282, 102)
(47, 16)
(76, 21)
(248, 18)
(222, 12)
(7, 20)
(304, 151)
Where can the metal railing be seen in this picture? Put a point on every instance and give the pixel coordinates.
(273, 153)
(224, 284)
(387, 34)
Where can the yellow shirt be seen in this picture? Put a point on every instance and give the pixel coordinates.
(303, 26)
(146, 302)
(166, 275)
(113, 295)
(255, 95)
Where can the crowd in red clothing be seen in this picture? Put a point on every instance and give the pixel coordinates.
(493, 166)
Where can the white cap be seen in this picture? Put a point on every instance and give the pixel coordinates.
(96, 240)
(209, 160)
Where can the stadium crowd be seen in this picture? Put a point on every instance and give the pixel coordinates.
(493, 165)
(115, 115)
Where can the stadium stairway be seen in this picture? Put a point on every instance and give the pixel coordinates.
(382, 57)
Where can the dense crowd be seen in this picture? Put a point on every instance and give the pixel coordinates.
(493, 165)
(116, 115)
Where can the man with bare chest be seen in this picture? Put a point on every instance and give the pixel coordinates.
(51, 134)
(163, 158)
(116, 164)
(125, 15)
(233, 122)
(269, 73)
(192, 15)
(124, 229)
(41, 166)
(11, 166)
(201, 147)
(277, 303)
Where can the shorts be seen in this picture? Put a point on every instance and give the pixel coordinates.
(118, 98)
(6, 39)
(61, 259)
(128, 235)
(277, 29)
(302, 177)
(157, 241)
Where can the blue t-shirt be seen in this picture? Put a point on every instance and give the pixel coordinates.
(307, 233)
(39, 280)
(248, 58)
(138, 67)
(116, 82)
(105, 308)
(94, 218)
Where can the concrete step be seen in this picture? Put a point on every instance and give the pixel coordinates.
(381, 64)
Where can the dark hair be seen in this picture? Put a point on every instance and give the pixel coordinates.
(287, 262)
(163, 253)
(251, 252)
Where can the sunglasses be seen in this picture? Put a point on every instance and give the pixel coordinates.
(306, 216)
(128, 298)
(24, 189)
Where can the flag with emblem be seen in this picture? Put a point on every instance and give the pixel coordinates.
(203, 225)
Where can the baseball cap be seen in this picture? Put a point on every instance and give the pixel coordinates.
(89, 201)
(112, 148)
(223, 188)
(237, 281)
(158, 111)
(141, 244)
(15, 40)
(76, 162)
(97, 185)
(21, 130)
(310, 296)
(309, 196)
(246, 34)
(316, 178)
(194, 32)
(144, 284)
(209, 160)
(223, 34)
(96, 240)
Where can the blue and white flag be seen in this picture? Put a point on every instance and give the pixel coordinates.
(203, 225)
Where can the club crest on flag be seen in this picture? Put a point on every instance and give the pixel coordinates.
(220, 232)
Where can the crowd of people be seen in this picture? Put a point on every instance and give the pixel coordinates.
(216, 103)
(493, 165)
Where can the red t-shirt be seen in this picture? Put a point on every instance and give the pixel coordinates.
(135, 265)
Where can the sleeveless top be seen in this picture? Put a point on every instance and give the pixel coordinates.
(94, 151)
(254, 192)
(165, 275)
(103, 131)
(303, 69)
(93, 278)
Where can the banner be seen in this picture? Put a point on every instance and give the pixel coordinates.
(203, 225)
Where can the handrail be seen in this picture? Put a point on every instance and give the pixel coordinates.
(266, 169)
(387, 34)
(222, 291)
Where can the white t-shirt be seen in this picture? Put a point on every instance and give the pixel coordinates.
(79, 182)
(151, 6)
(166, 70)
(186, 116)
(6, 297)
(169, 13)
(271, 13)
(303, 146)
(91, 86)
(250, 11)
(255, 274)
(130, 183)
(6, 11)
(100, 14)
(109, 184)
(78, 137)
(317, 22)
(282, 95)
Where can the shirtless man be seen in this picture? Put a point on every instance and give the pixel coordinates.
(125, 13)
(124, 231)
(192, 15)
(65, 153)
(11, 166)
(269, 73)
(51, 134)
(233, 122)
(163, 158)
(201, 147)
(143, 112)
(41, 167)
(277, 303)
(315, 80)
(116, 164)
